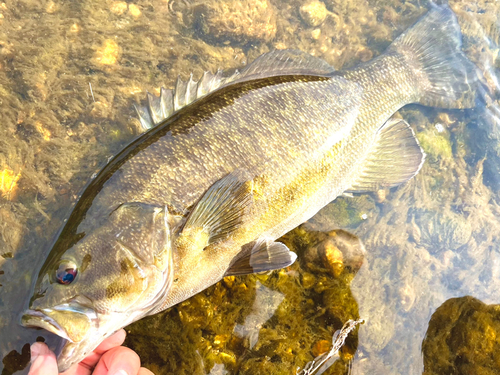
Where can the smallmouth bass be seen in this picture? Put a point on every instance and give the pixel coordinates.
(229, 164)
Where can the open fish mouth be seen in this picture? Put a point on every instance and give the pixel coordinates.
(72, 323)
(35, 318)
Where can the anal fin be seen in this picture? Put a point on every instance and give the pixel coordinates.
(264, 256)
(395, 158)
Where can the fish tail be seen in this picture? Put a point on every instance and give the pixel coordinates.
(432, 48)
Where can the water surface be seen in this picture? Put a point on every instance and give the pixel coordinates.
(69, 75)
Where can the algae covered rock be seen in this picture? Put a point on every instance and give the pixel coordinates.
(259, 324)
(344, 212)
(336, 251)
(436, 143)
(236, 20)
(463, 338)
(313, 13)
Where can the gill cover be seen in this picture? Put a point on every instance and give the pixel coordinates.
(123, 270)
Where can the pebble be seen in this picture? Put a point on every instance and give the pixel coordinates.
(51, 7)
(134, 10)
(381, 195)
(308, 280)
(320, 347)
(341, 249)
(8, 182)
(118, 7)
(108, 53)
(315, 34)
(43, 131)
(313, 13)
(332, 258)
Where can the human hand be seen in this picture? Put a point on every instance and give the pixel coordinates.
(108, 358)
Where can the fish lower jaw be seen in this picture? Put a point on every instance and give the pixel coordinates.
(35, 318)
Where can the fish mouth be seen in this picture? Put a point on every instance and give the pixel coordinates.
(72, 323)
(37, 319)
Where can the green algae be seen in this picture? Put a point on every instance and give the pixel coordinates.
(463, 337)
(436, 144)
(344, 212)
(222, 326)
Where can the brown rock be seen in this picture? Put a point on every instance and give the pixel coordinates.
(341, 249)
(320, 347)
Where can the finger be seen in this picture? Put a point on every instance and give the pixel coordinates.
(77, 369)
(118, 361)
(43, 360)
(144, 371)
(116, 339)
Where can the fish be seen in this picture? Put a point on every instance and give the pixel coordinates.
(228, 164)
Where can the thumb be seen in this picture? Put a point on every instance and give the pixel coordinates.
(43, 360)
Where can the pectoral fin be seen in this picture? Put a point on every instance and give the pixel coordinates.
(395, 158)
(221, 210)
(264, 256)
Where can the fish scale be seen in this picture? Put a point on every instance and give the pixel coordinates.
(221, 149)
(229, 164)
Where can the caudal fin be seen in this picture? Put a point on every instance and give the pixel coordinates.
(432, 47)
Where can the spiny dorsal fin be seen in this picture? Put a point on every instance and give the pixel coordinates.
(274, 63)
(395, 158)
(222, 208)
(264, 256)
(184, 93)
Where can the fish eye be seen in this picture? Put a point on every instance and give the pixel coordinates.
(66, 272)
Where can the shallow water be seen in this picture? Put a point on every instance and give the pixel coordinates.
(69, 75)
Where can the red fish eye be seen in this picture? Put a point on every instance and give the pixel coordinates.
(66, 272)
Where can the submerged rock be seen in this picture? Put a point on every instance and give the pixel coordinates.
(338, 251)
(313, 13)
(436, 143)
(236, 20)
(343, 212)
(442, 231)
(341, 249)
(463, 338)
(108, 53)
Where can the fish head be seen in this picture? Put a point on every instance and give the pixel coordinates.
(112, 276)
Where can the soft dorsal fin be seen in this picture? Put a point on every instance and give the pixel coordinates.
(285, 62)
(264, 256)
(274, 63)
(220, 211)
(395, 158)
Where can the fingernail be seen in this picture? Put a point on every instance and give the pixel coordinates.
(121, 372)
(35, 352)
